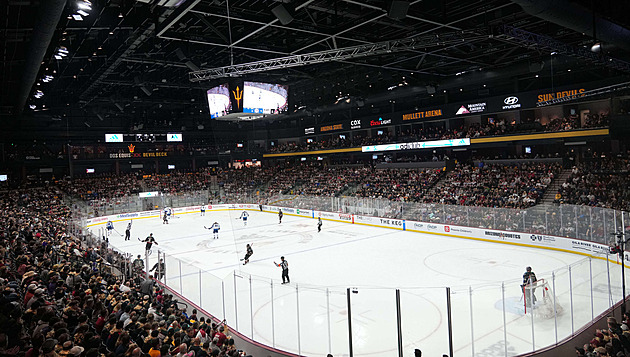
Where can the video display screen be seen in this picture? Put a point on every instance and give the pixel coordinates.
(219, 101)
(265, 98)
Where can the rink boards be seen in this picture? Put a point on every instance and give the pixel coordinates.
(542, 241)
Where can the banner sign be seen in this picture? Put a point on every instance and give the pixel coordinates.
(418, 145)
(425, 114)
(149, 194)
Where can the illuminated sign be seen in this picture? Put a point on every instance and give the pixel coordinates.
(331, 127)
(149, 194)
(238, 96)
(89, 171)
(471, 108)
(355, 124)
(309, 131)
(511, 103)
(113, 138)
(434, 113)
(380, 121)
(417, 145)
(560, 94)
(174, 137)
(137, 155)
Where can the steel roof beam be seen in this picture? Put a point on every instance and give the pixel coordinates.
(335, 55)
(529, 39)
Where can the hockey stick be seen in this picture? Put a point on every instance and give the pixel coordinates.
(118, 232)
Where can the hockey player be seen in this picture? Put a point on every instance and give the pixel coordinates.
(319, 224)
(138, 265)
(128, 231)
(248, 254)
(280, 214)
(215, 229)
(149, 242)
(168, 212)
(203, 210)
(164, 218)
(244, 216)
(529, 278)
(159, 269)
(285, 270)
(110, 227)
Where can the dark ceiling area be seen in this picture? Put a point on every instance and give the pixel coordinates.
(126, 64)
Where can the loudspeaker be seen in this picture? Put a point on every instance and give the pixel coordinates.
(398, 9)
(282, 14)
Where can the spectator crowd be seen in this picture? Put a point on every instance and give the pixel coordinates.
(62, 297)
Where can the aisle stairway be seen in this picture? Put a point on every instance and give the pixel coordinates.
(550, 193)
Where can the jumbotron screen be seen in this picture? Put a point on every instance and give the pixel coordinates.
(219, 101)
(265, 98)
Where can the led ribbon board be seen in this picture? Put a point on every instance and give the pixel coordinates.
(417, 145)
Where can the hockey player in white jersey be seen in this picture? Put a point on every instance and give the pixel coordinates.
(215, 229)
(110, 227)
(244, 216)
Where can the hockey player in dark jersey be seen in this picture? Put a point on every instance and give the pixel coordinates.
(149, 242)
(280, 214)
(529, 278)
(248, 254)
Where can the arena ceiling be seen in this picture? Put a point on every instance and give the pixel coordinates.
(128, 61)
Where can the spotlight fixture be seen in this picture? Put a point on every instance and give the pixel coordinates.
(32, 106)
(38, 94)
(597, 47)
(83, 13)
(77, 17)
(84, 5)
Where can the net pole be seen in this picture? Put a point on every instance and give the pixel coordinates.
(590, 267)
(571, 297)
(531, 302)
(555, 309)
(472, 325)
(505, 344)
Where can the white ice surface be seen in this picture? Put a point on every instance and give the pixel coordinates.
(376, 261)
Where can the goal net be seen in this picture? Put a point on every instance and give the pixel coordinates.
(540, 300)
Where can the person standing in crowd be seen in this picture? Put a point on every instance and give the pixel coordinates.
(128, 231)
(285, 270)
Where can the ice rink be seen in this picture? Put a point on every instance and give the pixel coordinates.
(310, 315)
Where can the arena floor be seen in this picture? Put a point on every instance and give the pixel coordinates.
(375, 261)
